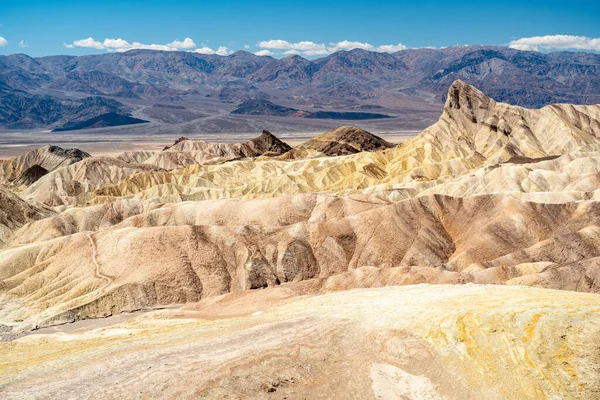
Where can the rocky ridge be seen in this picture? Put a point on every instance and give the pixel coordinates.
(480, 218)
(38, 92)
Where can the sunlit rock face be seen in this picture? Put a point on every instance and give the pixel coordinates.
(484, 230)
(417, 342)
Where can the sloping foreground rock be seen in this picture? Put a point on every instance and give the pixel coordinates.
(419, 342)
(190, 251)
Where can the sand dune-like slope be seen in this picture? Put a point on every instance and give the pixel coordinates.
(49, 157)
(190, 251)
(570, 177)
(135, 156)
(64, 186)
(190, 152)
(474, 131)
(420, 342)
(338, 142)
(252, 252)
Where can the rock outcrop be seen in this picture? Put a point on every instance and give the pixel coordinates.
(490, 194)
(15, 213)
(30, 175)
(48, 157)
(420, 342)
(194, 152)
(342, 141)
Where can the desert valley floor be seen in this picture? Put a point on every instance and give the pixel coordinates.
(461, 263)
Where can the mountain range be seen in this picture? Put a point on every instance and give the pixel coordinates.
(48, 92)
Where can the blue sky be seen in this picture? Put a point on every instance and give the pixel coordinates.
(310, 28)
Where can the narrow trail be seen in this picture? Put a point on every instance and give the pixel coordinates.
(97, 272)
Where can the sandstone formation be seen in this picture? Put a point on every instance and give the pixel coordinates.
(185, 252)
(49, 158)
(492, 194)
(346, 140)
(418, 342)
(473, 132)
(15, 213)
(30, 175)
(189, 152)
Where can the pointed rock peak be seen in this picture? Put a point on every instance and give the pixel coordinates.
(346, 140)
(265, 133)
(181, 139)
(31, 175)
(268, 142)
(356, 134)
(461, 95)
(58, 151)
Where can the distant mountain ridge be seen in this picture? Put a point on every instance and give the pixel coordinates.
(30, 88)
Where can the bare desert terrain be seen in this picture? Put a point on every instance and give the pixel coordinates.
(459, 262)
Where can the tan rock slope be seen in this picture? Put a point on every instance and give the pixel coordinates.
(491, 194)
(49, 158)
(339, 142)
(419, 342)
(190, 152)
(187, 252)
(474, 131)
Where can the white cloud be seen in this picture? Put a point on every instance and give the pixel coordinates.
(285, 45)
(264, 53)
(556, 42)
(246, 47)
(307, 48)
(89, 42)
(204, 50)
(391, 48)
(3, 42)
(221, 51)
(316, 52)
(116, 44)
(186, 44)
(275, 44)
(23, 43)
(138, 45)
(346, 45)
(121, 45)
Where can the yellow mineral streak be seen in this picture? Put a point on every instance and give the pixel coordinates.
(462, 327)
